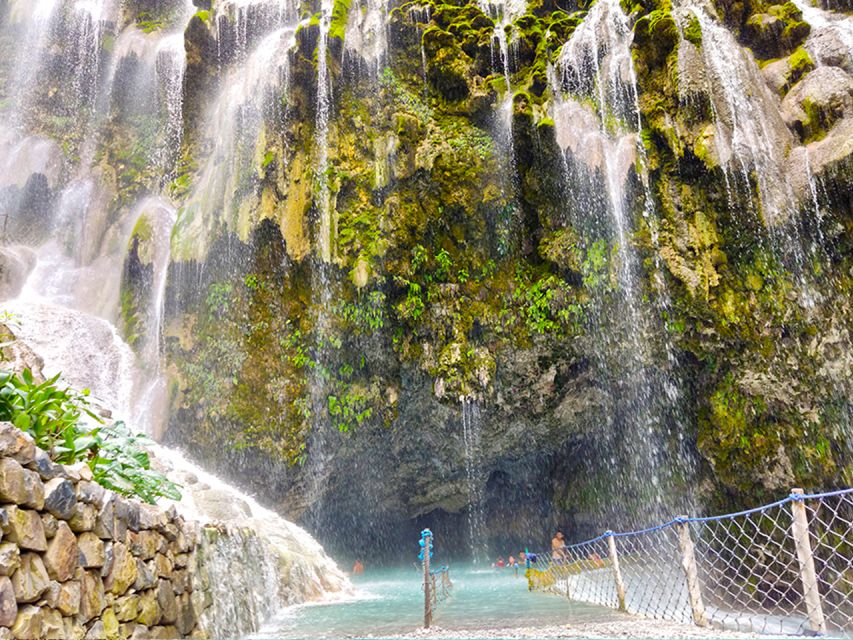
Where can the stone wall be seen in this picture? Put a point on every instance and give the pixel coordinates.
(79, 561)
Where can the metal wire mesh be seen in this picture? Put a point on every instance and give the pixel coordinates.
(785, 567)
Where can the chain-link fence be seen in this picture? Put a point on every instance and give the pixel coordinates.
(785, 567)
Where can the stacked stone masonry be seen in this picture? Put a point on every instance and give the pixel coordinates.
(79, 562)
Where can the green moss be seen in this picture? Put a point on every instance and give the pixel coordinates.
(693, 31)
(340, 15)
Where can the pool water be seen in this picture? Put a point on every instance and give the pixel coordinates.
(390, 601)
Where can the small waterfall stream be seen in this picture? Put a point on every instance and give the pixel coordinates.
(321, 136)
(366, 35)
(472, 440)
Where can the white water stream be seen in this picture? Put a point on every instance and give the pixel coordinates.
(69, 275)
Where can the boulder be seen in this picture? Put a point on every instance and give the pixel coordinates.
(818, 101)
(146, 576)
(128, 513)
(83, 518)
(30, 581)
(163, 633)
(20, 486)
(79, 471)
(25, 528)
(122, 573)
(167, 601)
(16, 444)
(92, 600)
(34, 488)
(28, 624)
(91, 492)
(53, 627)
(106, 525)
(145, 544)
(163, 566)
(149, 609)
(62, 556)
(49, 524)
(127, 608)
(10, 558)
(140, 632)
(8, 603)
(829, 49)
(91, 550)
(60, 499)
(73, 630)
(45, 467)
(64, 597)
(186, 618)
(111, 625)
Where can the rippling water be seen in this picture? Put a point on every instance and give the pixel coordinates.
(390, 601)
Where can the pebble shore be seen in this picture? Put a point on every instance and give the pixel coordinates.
(631, 627)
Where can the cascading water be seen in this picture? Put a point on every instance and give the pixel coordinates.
(321, 136)
(171, 65)
(751, 140)
(235, 122)
(837, 25)
(366, 36)
(472, 440)
(421, 15)
(596, 115)
(137, 87)
(504, 13)
(240, 22)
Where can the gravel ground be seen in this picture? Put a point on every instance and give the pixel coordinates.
(632, 627)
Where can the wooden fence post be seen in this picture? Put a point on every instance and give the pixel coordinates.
(617, 572)
(427, 537)
(691, 572)
(808, 575)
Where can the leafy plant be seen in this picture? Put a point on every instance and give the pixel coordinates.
(119, 462)
(56, 419)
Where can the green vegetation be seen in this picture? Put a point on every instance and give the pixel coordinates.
(61, 422)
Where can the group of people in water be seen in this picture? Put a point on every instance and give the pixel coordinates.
(525, 558)
(559, 555)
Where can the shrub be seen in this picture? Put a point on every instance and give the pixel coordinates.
(55, 418)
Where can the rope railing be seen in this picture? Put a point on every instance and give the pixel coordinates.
(785, 567)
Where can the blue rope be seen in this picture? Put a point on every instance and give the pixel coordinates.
(812, 496)
(791, 498)
(747, 512)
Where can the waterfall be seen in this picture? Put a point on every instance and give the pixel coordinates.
(420, 15)
(66, 307)
(233, 126)
(171, 65)
(504, 13)
(838, 25)
(366, 36)
(597, 119)
(239, 23)
(751, 140)
(324, 103)
(471, 438)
